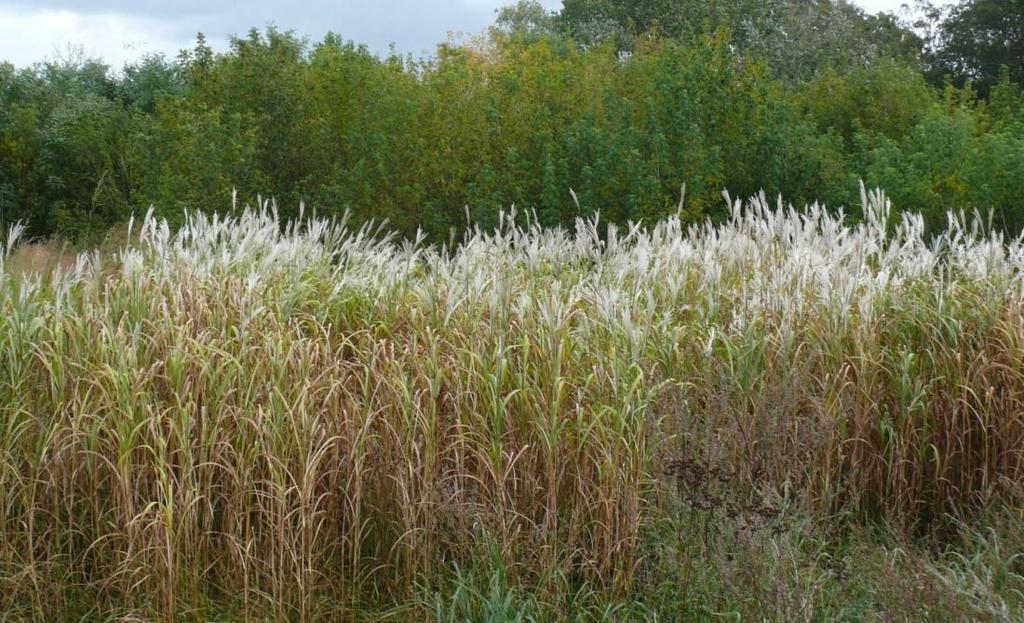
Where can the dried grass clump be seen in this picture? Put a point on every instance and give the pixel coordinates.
(284, 420)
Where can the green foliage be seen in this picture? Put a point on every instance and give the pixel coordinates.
(798, 38)
(525, 19)
(192, 157)
(149, 80)
(605, 106)
(886, 99)
(977, 39)
(945, 163)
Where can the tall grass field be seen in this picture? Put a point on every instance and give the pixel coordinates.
(779, 417)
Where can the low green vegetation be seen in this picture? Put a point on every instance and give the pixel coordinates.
(780, 417)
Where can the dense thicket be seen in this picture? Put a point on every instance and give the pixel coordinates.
(622, 103)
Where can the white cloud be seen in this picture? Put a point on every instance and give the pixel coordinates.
(118, 31)
(27, 36)
(874, 6)
(892, 6)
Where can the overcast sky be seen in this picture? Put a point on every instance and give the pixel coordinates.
(122, 30)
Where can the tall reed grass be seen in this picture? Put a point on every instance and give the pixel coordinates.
(285, 419)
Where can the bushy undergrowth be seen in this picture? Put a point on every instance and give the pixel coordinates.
(298, 422)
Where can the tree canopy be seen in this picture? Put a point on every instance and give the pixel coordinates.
(979, 40)
(622, 103)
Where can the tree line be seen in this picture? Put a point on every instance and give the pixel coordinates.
(605, 105)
